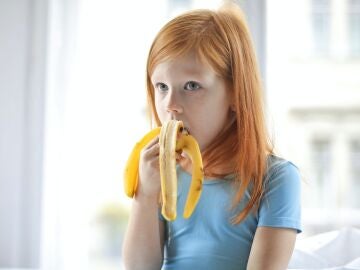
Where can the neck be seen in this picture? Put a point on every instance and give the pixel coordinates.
(215, 173)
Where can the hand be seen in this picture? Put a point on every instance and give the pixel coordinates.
(149, 175)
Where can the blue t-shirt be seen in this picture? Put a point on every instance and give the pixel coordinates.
(208, 240)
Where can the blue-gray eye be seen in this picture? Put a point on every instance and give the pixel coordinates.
(161, 87)
(191, 86)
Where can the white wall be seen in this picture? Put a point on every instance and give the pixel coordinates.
(22, 58)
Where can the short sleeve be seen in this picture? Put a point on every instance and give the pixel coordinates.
(281, 203)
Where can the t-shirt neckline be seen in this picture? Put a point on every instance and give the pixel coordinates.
(206, 181)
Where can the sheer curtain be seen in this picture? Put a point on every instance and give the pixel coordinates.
(63, 243)
(95, 107)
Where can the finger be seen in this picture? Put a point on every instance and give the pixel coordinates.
(155, 163)
(153, 149)
(152, 143)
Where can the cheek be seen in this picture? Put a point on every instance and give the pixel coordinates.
(159, 108)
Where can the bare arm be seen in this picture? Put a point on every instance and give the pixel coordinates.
(144, 238)
(271, 248)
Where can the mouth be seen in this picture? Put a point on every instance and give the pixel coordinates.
(185, 130)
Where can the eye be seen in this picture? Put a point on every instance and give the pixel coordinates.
(192, 86)
(161, 87)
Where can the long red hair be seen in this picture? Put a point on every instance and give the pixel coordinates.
(221, 39)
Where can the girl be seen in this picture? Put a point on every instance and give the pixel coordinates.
(202, 70)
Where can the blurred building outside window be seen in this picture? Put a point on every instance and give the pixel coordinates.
(311, 66)
(321, 18)
(322, 167)
(353, 11)
(353, 200)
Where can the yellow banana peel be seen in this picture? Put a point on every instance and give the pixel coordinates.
(173, 138)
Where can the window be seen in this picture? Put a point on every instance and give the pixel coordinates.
(354, 27)
(321, 26)
(177, 6)
(354, 185)
(182, 3)
(310, 103)
(321, 160)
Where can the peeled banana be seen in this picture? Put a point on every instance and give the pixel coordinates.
(173, 138)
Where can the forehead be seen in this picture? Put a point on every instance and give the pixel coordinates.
(188, 64)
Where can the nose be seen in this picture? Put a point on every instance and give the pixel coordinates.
(173, 103)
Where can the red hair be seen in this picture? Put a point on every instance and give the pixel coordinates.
(221, 39)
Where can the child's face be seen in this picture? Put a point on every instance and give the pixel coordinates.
(190, 91)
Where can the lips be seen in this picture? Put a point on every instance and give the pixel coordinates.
(185, 129)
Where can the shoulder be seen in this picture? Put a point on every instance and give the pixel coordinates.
(282, 184)
(280, 205)
(281, 171)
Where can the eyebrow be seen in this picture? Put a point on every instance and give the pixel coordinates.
(194, 73)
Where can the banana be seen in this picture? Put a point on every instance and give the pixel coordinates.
(172, 139)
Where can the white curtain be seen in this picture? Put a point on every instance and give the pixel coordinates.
(95, 108)
(64, 227)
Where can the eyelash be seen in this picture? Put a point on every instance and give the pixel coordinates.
(158, 85)
(192, 82)
(198, 86)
